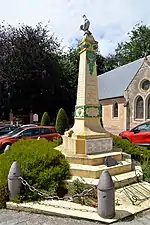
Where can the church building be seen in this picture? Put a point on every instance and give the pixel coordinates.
(124, 95)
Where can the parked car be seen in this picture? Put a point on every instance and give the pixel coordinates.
(6, 128)
(139, 135)
(35, 132)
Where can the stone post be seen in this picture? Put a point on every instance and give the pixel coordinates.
(6, 148)
(14, 184)
(106, 196)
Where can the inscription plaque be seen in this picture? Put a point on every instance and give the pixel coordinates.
(91, 91)
(96, 146)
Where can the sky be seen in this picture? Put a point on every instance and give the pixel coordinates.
(111, 20)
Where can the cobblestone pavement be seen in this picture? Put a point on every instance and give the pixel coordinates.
(22, 218)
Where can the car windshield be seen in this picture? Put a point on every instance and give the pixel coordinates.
(142, 127)
(14, 132)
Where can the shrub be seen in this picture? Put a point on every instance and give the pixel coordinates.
(42, 166)
(61, 121)
(146, 171)
(142, 154)
(57, 140)
(70, 133)
(45, 121)
(77, 187)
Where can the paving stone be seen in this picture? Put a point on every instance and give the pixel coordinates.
(9, 217)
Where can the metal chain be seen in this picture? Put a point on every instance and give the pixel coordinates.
(47, 196)
(83, 194)
(133, 198)
(86, 192)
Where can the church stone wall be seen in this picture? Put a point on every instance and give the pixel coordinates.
(134, 90)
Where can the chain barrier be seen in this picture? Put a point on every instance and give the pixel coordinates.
(83, 194)
(47, 197)
(129, 193)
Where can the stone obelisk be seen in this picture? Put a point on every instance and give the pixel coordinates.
(87, 135)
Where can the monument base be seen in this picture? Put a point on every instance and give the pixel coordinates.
(91, 166)
(86, 145)
(88, 151)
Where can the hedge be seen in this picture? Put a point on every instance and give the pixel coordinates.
(142, 154)
(42, 166)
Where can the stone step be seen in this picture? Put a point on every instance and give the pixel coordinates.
(95, 171)
(120, 180)
(93, 160)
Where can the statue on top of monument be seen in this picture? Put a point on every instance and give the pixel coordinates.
(86, 25)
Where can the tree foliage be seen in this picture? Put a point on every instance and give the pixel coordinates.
(70, 68)
(136, 46)
(128, 51)
(100, 62)
(45, 121)
(29, 68)
(110, 62)
(61, 121)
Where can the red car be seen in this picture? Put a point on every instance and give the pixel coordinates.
(28, 132)
(139, 135)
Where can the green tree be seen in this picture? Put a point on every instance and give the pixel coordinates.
(69, 77)
(61, 121)
(136, 46)
(34, 68)
(100, 62)
(29, 69)
(110, 62)
(45, 121)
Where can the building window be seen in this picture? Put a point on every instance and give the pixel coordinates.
(115, 109)
(145, 85)
(148, 108)
(139, 112)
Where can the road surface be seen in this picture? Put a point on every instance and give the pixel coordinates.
(10, 217)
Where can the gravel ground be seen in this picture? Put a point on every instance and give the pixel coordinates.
(10, 217)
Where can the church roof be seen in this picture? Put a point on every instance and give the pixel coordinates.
(113, 83)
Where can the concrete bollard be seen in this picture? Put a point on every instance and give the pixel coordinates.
(14, 184)
(6, 148)
(106, 196)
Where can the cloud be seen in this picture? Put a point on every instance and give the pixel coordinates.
(111, 20)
